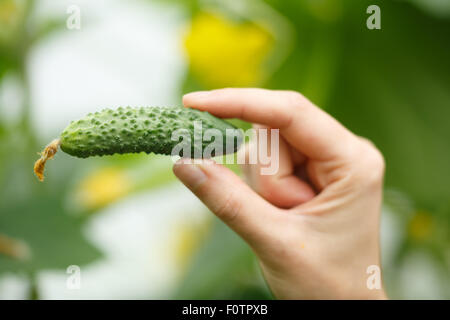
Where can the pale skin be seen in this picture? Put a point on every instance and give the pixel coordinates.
(314, 225)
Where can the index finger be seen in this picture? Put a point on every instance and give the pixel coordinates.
(305, 126)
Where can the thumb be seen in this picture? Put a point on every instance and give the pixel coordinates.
(228, 197)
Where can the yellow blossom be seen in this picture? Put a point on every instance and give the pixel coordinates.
(103, 187)
(326, 10)
(421, 226)
(10, 15)
(188, 238)
(225, 53)
(14, 248)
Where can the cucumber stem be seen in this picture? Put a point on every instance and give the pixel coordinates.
(48, 153)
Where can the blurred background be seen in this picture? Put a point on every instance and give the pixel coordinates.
(136, 232)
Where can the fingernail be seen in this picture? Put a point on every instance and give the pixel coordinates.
(190, 174)
(197, 95)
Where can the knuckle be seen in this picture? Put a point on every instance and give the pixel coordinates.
(293, 103)
(295, 99)
(371, 166)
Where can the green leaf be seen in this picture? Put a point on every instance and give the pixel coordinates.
(55, 239)
(224, 268)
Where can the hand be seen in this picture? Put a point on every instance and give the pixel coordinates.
(314, 225)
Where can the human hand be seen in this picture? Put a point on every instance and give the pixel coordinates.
(314, 225)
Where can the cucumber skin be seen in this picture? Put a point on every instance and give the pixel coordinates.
(134, 130)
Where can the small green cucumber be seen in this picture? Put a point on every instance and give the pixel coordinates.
(147, 129)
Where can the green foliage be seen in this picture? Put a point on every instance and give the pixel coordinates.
(53, 237)
(37, 230)
(224, 268)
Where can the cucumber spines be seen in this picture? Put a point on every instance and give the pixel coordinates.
(134, 130)
(145, 129)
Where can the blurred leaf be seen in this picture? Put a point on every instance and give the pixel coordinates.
(36, 214)
(399, 98)
(223, 268)
(54, 237)
(439, 8)
(46, 28)
(105, 180)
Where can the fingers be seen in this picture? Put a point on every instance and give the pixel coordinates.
(226, 195)
(306, 127)
(283, 189)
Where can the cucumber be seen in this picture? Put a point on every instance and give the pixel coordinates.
(147, 129)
